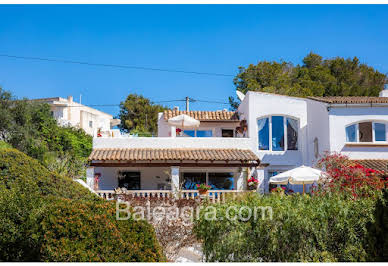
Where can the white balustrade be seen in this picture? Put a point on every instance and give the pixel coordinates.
(212, 195)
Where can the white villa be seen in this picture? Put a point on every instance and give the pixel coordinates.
(70, 113)
(268, 134)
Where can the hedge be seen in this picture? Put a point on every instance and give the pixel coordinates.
(303, 228)
(48, 217)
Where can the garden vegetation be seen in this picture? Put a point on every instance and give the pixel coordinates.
(48, 217)
(345, 219)
(30, 127)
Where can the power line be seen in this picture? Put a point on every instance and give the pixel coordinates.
(114, 65)
(191, 100)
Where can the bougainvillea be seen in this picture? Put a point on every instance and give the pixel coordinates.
(348, 177)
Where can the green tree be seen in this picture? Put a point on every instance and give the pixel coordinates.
(139, 114)
(29, 127)
(315, 77)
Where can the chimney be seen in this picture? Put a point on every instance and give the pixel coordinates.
(384, 92)
(69, 102)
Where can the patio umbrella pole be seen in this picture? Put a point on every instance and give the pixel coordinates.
(303, 187)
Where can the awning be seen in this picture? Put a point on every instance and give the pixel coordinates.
(236, 156)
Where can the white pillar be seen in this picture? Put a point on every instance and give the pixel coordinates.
(175, 178)
(90, 177)
(241, 179)
(173, 132)
(260, 176)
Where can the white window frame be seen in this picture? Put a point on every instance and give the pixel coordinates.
(373, 132)
(284, 132)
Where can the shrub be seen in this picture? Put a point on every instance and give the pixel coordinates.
(377, 241)
(18, 170)
(85, 231)
(48, 217)
(303, 228)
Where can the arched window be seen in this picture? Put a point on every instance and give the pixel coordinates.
(277, 133)
(368, 131)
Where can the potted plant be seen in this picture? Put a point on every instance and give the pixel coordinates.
(252, 183)
(203, 188)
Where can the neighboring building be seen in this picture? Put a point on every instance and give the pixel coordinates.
(70, 113)
(268, 134)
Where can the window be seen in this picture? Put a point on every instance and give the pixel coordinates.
(380, 134)
(221, 180)
(282, 131)
(292, 134)
(227, 133)
(204, 133)
(218, 181)
(197, 133)
(277, 133)
(190, 180)
(263, 125)
(366, 132)
(90, 123)
(188, 133)
(351, 133)
(316, 148)
(129, 180)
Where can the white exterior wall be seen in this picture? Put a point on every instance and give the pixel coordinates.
(68, 112)
(318, 128)
(341, 117)
(144, 142)
(257, 105)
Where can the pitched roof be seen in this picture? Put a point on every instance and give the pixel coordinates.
(350, 99)
(206, 154)
(204, 115)
(381, 165)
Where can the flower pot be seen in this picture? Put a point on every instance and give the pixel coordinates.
(202, 191)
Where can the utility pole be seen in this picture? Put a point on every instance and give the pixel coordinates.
(187, 103)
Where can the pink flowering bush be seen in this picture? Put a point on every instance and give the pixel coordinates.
(349, 178)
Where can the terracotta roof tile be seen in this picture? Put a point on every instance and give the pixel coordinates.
(350, 99)
(204, 115)
(127, 154)
(381, 165)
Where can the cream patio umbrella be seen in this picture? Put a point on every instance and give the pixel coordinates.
(183, 121)
(298, 176)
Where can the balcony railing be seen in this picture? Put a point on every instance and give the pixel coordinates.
(212, 195)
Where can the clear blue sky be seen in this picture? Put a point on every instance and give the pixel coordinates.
(204, 38)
